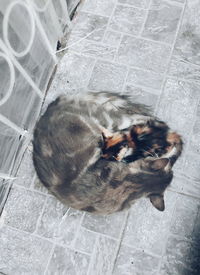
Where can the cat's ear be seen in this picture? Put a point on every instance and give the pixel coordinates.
(157, 201)
(159, 164)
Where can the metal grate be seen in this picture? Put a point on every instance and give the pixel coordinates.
(29, 32)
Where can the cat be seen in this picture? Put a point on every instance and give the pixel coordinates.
(67, 154)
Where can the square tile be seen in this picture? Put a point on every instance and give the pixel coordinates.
(181, 257)
(147, 227)
(100, 7)
(98, 51)
(103, 257)
(110, 225)
(162, 21)
(135, 261)
(186, 186)
(22, 253)
(107, 77)
(136, 3)
(69, 262)
(182, 69)
(85, 240)
(145, 78)
(184, 217)
(112, 38)
(188, 41)
(195, 138)
(177, 105)
(191, 167)
(143, 54)
(22, 209)
(127, 19)
(59, 222)
(141, 95)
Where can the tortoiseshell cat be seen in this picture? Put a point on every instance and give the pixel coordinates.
(67, 150)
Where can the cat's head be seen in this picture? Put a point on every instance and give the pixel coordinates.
(153, 176)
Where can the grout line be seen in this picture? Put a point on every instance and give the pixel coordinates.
(145, 18)
(77, 231)
(93, 254)
(31, 190)
(100, 234)
(40, 216)
(120, 240)
(49, 259)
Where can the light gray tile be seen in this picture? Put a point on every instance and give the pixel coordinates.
(68, 262)
(184, 217)
(162, 21)
(179, 1)
(181, 69)
(107, 77)
(127, 19)
(136, 3)
(186, 186)
(145, 78)
(147, 227)
(112, 38)
(177, 105)
(22, 209)
(103, 256)
(22, 253)
(181, 257)
(72, 75)
(191, 167)
(58, 222)
(109, 225)
(85, 241)
(188, 41)
(26, 170)
(86, 23)
(195, 139)
(135, 261)
(101, 7)
(99, 51)
(143, 54)
(141, 95)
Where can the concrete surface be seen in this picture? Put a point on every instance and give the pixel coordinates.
(150, 50)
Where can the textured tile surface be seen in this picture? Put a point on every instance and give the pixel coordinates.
(127, 19)
(162, 21)
(133, 261)
(128, 49)
(143, 54)
(107, 77)
(23, 208)
(66, 261)
(22, 253)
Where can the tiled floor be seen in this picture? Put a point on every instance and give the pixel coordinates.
(150, 50)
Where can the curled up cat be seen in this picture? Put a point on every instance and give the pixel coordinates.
(101, 152)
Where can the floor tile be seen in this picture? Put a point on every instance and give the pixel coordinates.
(22, 253)
(147, 227)
(107, 77)
(103, 256)
(58, 222)
(101, 7)
(23, 208)
(109, 225)
(162, 21)
(136, 3)
(135, 261)
(68, 262)
(178, 104)
(141, 53)
(127, 19)
(85, 240)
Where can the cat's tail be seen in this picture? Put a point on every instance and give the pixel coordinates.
(175, 148)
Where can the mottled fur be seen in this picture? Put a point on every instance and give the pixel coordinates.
(67, 150)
